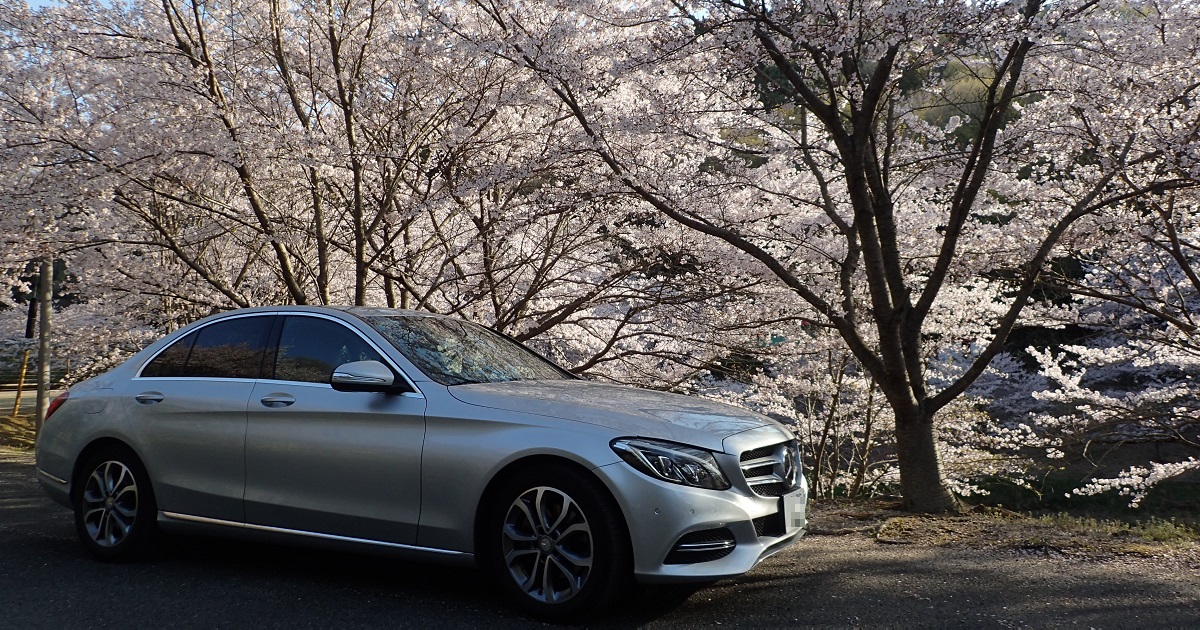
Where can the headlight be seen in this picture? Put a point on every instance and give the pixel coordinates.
(675, 463)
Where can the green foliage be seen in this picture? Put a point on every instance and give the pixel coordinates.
(768, 82)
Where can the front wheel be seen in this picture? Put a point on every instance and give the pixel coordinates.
(114, 506)
(559, 543)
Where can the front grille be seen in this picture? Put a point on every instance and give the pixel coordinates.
(777, 489)
(772, 471)
(764, 451)
(702, 546)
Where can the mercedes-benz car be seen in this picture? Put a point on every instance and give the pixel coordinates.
(426, 436)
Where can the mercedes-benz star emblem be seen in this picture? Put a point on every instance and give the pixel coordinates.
(789, 467)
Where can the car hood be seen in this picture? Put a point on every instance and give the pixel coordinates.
(629, 410)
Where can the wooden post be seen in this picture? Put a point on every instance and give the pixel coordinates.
(20, 383)
(45, 297)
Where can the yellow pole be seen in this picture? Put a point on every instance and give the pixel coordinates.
(20, 383)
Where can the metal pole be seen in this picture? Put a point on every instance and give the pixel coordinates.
(45, 297)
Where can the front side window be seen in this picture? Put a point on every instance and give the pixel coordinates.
(232, 348)
(310, 348)
(454, 352)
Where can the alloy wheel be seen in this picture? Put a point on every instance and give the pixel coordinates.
(110, 504)
(547, 545)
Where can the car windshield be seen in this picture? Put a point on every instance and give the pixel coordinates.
(454, 352)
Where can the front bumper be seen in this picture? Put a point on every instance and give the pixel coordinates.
(659, 514)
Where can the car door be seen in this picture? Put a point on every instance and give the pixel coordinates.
(188, 406)
(326, 462)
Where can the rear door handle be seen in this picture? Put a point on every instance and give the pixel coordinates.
(277, 400)
(148, 398)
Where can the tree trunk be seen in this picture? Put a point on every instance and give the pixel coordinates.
(921, 482)
(45, 297)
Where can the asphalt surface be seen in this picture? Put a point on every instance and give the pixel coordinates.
(48, 581)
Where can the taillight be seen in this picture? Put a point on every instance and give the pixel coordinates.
(56, 403)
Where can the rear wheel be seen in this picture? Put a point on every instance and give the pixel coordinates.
(559, 544)
(114, 506)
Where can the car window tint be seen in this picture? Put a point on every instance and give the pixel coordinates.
(229, 349)
(169, 362)
(310, 348)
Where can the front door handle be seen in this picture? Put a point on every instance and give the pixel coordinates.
(277, 400)
(148, 398)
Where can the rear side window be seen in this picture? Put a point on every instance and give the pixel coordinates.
(310, 348)
(170, 362)
(229, 349)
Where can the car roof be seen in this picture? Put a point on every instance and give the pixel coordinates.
(358, 311)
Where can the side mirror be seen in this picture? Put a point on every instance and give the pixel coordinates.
(363, 376)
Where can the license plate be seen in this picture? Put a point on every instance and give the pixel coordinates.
(792, 509)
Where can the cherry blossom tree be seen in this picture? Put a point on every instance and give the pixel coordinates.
(868, 197)
(825, 145)
(1135, 381)
(256, 153)
(1135, 280)
(44, 219)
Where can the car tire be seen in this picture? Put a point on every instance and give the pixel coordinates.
(557, 542)
(115, 510)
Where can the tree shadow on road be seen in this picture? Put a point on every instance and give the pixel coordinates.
(365, 587)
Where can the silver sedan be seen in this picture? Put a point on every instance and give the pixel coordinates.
(424, 436)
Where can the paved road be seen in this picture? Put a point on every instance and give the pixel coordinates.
(47, 580)
(28, 400)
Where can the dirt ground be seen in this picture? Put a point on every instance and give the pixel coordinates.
(1055, 535)
(18, 432)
